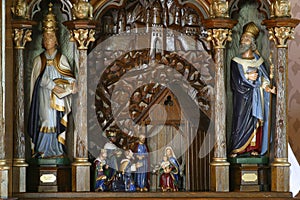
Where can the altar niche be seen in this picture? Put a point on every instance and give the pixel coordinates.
(167, 112)
(155, 76)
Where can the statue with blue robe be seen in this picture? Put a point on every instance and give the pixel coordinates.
(250, 85)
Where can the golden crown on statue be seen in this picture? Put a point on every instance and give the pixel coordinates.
(49, 22)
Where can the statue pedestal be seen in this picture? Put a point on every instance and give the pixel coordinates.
(49, 175)
(249, 174)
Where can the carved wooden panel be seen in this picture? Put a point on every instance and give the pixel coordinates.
(151, 72)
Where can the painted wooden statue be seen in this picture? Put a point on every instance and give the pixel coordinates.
(169, 171)
(52, 82)
(250, 85)
(101, 171)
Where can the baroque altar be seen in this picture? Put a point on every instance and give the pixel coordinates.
(157, 68)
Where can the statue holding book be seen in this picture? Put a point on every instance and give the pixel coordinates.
(52, 83)
(251, 87)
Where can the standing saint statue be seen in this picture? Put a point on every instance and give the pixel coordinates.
(250, 85)
(141, 176)
(52, 82)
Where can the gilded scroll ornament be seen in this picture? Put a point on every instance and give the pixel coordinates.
(21, 38)
(83, 37)
(219, 8)
(280, 35)
(219, 37)
(82, 9)
(20, 10)
(281, 8)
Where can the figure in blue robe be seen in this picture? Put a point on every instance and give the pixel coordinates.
(250, 85)
(141, 175)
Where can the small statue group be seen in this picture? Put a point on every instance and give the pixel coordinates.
(129, 174)
(129, 170)
(169, 171)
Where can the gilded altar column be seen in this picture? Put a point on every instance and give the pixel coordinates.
(219, 33)
(281, 29)
(82, 32)
(22, 30)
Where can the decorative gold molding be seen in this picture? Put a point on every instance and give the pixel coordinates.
(3, 165)
(21, 38)
(280, 162)
(2, 162)
(83, 37)
(81, 162)
(19, 162)
(219, 162)
(281, 30)
(280, 35)
(219, 37)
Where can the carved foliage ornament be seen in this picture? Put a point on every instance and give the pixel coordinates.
(219, 37)
(280, 35)
(21, 38)
(83, 37)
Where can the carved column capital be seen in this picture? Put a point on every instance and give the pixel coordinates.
(83, 37)
(22, 32)
(280, 35)
(21, 37)
(82, 32)
(219, 31)
(281, 30)
(219, 37)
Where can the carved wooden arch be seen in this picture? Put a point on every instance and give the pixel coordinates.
(34, 7)
(135, 63)
(264, 7)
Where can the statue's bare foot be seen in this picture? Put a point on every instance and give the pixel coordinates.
(233, 155)
(254, 153)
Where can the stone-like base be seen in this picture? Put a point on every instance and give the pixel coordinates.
(19, 175)
(249, 174)
(81, 176)
(19, 179)
(219, 176)
(49, 177)
(280, 178)
(4, 170)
